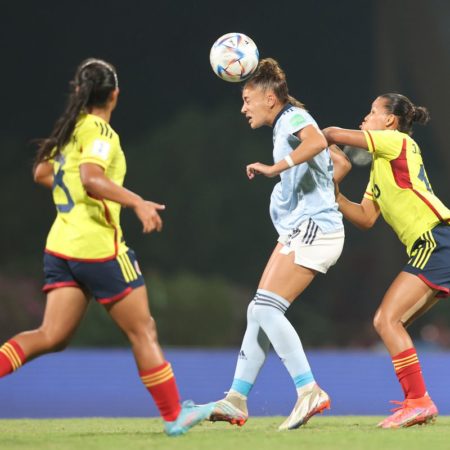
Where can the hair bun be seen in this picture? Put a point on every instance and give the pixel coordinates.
(269, 68)
(421, 115)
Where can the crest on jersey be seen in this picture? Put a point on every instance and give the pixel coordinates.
(100, 149)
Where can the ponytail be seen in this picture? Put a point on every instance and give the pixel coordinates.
(421, 115)
(92, 85)
(406, 111)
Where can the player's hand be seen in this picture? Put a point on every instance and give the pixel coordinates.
(260, 169)
(147, 213)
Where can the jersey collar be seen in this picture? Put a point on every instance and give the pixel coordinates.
(285, 108)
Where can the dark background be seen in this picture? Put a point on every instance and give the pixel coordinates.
(187, 146)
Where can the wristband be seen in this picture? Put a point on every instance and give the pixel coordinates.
(288, 159)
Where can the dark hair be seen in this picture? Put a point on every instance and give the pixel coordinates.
(94, 81)
(406, 111)
(269, 75)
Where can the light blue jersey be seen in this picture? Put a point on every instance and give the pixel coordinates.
(306, 191)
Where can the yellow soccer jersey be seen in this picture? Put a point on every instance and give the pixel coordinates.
(87, 228)
(399, 184)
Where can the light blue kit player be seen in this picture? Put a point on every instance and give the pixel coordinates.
(311, 236)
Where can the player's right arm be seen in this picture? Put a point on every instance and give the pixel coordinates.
(363, 215)
(43, 174)
(342, 136)
(98, 185)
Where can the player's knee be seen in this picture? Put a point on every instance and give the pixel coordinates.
(53, 341)
(383, 321)
(263, 312)
(143, 331)
(251, 305)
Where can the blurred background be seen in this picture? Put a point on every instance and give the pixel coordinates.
(187, 146)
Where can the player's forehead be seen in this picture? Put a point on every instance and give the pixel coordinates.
(251, 91)
(379, 104)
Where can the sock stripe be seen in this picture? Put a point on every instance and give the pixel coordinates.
(272, 295)
(156, 377)
(271, 304)
(406, 358)
(409, 374)
(241, 386)
(405, 361)
(413, 361)
(10, 352)
(303, 379)
(159, 377)
(270, 301)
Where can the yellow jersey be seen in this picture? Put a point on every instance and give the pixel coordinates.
(87, 228)
(399, 184)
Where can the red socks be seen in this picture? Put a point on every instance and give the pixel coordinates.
(409, 373)
(160, 382)
(11, 357)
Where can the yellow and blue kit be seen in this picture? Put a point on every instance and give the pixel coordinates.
(86, 231)
(400, 186)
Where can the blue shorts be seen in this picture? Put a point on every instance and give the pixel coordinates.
(430, 259)
(107, 281)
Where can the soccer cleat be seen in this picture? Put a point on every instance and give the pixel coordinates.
(312, 402)
(413, 411)
(232, 409)
(190, 415)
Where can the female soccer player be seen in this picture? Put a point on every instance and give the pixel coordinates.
(399, 189)
(85, 254)
(305, 214)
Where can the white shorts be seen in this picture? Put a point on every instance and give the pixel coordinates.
(312, 248)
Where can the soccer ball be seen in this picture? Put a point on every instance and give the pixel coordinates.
(234, 57)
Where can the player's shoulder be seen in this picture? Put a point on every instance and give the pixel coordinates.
(388, 135)
(89, 125)
(296, 118)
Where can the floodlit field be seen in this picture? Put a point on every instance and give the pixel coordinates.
(345, 432)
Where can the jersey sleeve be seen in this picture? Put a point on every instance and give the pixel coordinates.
(297, 120)
(368, 192)
(96, 145)
(384, 143)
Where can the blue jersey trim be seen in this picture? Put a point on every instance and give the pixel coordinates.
(285, 108)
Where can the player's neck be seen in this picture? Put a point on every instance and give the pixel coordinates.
(103, 113)
(274, 113)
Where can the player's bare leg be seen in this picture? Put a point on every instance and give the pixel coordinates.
(132, 315)
(64, 309)
(406, 299)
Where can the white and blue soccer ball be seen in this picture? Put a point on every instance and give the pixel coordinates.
(234, 57)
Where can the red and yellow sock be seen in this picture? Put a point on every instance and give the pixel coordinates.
(11, 357)
(409, 373)
(160, 382)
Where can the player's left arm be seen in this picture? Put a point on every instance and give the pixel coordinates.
(341, 136)
(43, 174)
(312, 143)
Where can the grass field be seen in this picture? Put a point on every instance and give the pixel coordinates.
(343, 433)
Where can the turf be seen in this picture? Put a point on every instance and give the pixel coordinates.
(343, 433)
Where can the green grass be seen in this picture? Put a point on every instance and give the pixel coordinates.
(343, 433)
